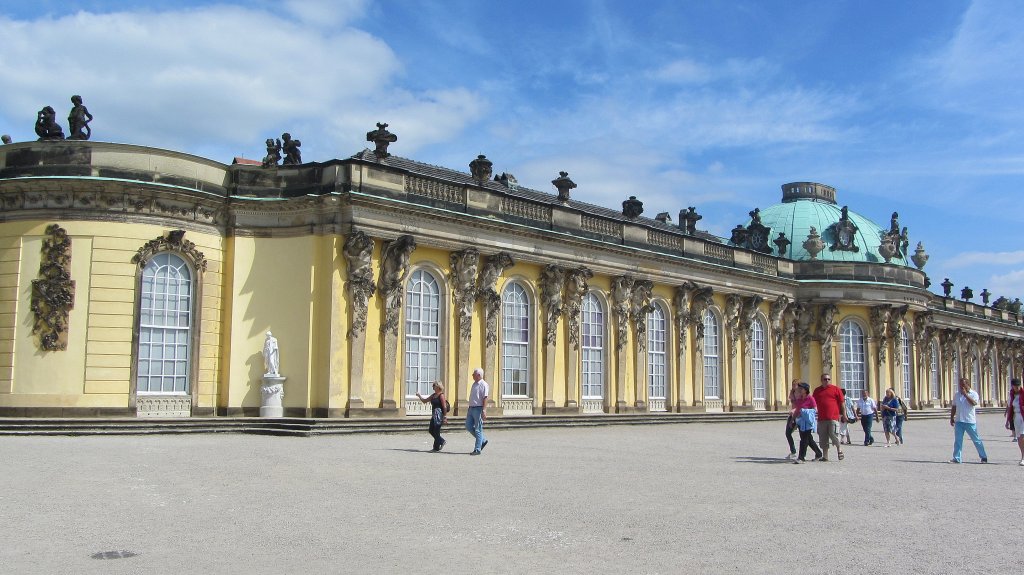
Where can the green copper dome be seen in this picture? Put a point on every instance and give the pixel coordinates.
(806, 205)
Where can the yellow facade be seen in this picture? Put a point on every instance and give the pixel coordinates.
(263, 259)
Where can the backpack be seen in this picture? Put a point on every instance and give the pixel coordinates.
(903, 407)
(447, 406)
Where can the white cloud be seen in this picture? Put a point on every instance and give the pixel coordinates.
(1010, 284)
(986, 258)
(216, 78)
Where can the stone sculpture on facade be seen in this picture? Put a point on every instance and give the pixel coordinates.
(78, 120)
(486, 292)
(683, 317)
(622, 293)
(985, 295)
(292, 155)
(358, 251)
(395, 267)
(754, 236)
(966, 294)
(813, 243)
(632, 208)
(575, 288)
(702, 300)
(804, 316)
(897, 318)
(563, 184)
(273, 153)
(6, 139)
(828, 327)
(463, 281)
(920, 257)
(880, 316)
(733, 306)
(381, 139)
(53, 294)
(776, 317)
(688, 219)
(47, 127)
(640, 306)
(782, 243)
(271, 356)
(481, 168)
(552, 279)
(947, 287)
(749, 312)
(844, 232)
(173, 241)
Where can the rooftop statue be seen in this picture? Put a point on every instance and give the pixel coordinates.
(292, 155)
(78, 120)
(273, 153)
(381, 138)
(46, 125)
(6, 139)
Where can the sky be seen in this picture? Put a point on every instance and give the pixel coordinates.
(913, 107)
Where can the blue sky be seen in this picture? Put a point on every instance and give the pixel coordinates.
(912, 107)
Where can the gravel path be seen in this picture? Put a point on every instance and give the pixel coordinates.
(687, 498)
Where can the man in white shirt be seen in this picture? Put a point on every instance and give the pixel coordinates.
(867, 411)
(477, 413)
(962, 418)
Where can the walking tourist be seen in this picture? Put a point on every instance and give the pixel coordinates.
(807, 418)
(439, 406)
(1015, 415)
(963, 418)
(890, 407)
(850, 411)
(867, 411)
(901, 418)
(477, 413)
(830, 412)
(791, 420)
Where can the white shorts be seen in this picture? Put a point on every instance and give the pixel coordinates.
(1018, 426)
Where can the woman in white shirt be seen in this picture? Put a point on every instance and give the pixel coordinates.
(1015, 415)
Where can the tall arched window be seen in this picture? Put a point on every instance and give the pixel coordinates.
(712, 365)
(993, 377)
(657, 330)
(956, 369)
(976, 375)
(933, 371)
(515, 342)
(165, 327)
(422, 333)
(908, 373)
(758, 372)
(592, 347)
(852, 358)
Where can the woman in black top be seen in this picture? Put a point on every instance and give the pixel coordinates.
(438, 409)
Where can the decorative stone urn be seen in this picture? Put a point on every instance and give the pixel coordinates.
(920, 257)
(887, 249)
(273, 393)
(813, 243)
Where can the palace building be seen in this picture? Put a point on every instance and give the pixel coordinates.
(137, 281)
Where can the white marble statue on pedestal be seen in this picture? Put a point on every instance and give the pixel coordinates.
(271, 355)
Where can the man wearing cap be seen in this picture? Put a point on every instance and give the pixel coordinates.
(477, 413)
(1015, 415)
(830, 413)
(962, 419)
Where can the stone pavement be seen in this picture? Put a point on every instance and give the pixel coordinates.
(690, 498)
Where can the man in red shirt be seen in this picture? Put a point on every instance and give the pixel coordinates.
(830, 413)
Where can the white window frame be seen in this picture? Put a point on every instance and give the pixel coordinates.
(934, 379)
(167, 297)
(852, 358)
(758, 360)
(592, 347)
(422, 344)
(712, 356)
(908, 373)
(515, 341)
(657, 356)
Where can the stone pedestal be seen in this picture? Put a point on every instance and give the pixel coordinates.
(273, 393)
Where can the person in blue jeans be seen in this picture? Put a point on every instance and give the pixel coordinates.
(963, 419)
(867, 411)
(477, 413)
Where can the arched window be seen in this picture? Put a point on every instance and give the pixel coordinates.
(712, 365)
(592, 347)
(933, 371)
(976, 374)
(908, 373)
(956, 369)
(165, 327)
(757, 360)
(993, 377)
(852, 359)
(422, 333)
(657, 330)
(515, 342)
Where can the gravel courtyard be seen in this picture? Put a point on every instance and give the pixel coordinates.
(680, 498)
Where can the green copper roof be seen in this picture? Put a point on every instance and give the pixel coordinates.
(796, 215)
